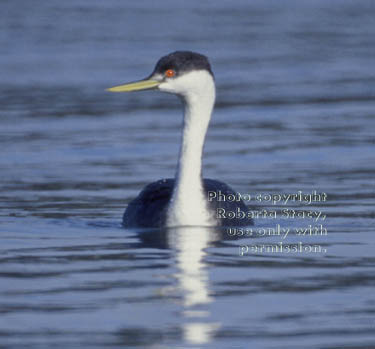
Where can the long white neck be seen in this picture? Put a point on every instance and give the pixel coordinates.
(188, 205)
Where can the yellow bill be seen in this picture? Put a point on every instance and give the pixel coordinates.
(135, 86)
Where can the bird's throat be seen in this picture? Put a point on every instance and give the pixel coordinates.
(188, 205)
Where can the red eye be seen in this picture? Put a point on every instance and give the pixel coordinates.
(170, 73)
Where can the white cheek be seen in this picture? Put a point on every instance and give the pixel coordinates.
(167, 86)
(191, 82)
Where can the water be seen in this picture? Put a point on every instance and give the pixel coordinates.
(294, 112)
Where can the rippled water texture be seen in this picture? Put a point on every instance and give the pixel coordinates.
(294, 112)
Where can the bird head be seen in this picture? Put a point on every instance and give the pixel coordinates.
(183, 73)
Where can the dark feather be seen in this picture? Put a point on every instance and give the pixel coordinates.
(149, 208)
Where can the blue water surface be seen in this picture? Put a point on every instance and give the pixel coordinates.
(294, 112)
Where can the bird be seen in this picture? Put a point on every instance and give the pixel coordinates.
(188, 199)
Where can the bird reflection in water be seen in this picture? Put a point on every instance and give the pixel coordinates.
(192, 284)
(190, 244)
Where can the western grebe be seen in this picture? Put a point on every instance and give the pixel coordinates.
(184, 201)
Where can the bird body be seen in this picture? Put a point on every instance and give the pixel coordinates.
(183, 201)
(150, 208)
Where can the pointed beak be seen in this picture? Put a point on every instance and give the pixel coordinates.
(146, 84)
